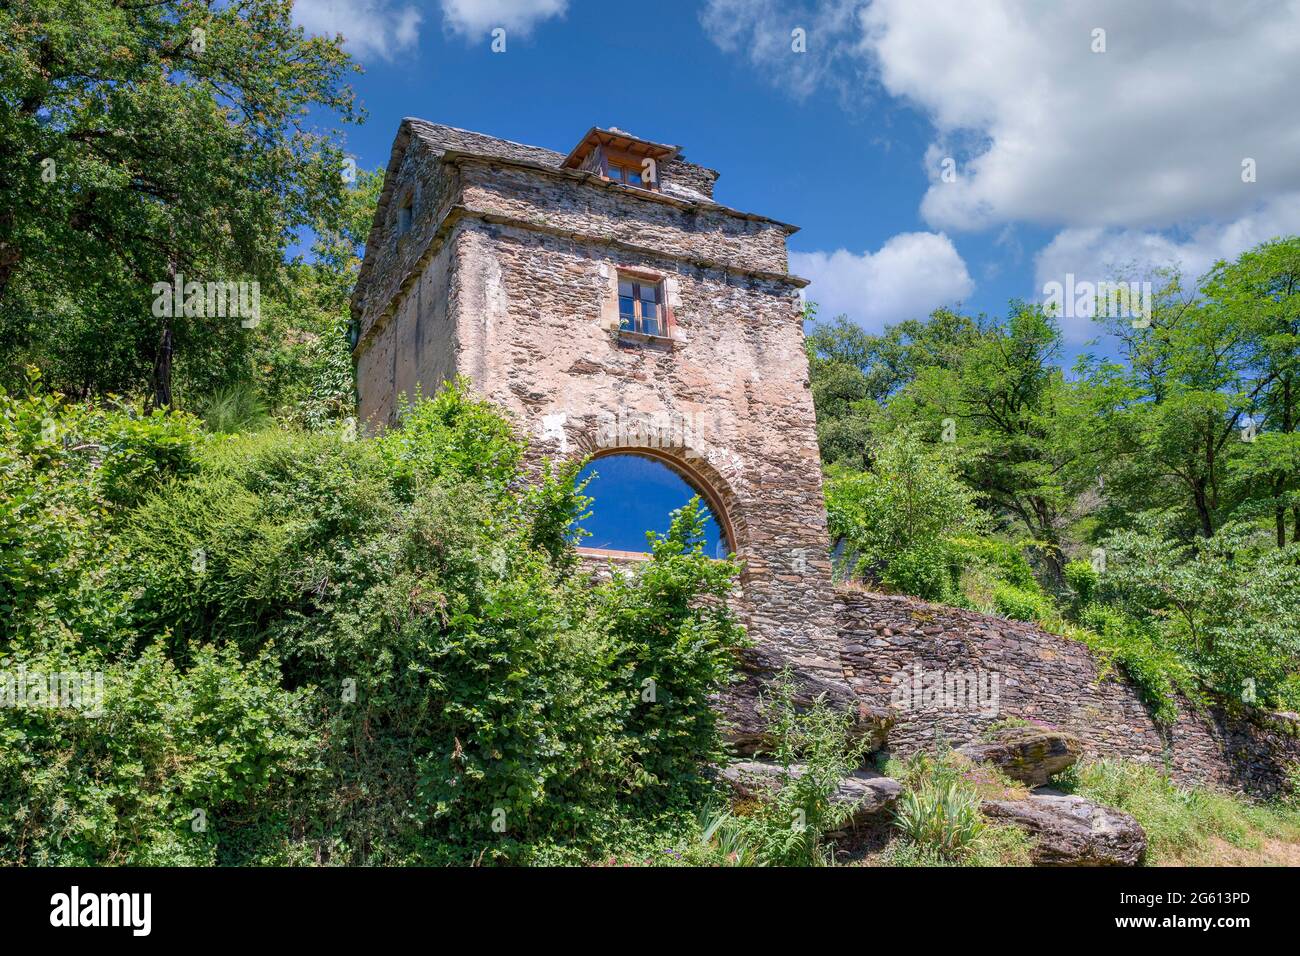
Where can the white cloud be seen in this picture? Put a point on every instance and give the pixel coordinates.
(476, 18)
(908, 277)
(1149, 133)
(1095, 254)
(369, 27)
(762, 30)
(1134, 153)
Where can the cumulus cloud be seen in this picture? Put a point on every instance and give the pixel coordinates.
(908, 277)
(370, 28)
(1134, 153)
(1096, 254)
(1152, 131)
(474, 18)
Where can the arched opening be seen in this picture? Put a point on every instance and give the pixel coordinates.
(636, 492)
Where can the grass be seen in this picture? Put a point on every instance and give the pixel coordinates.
(1190, 826)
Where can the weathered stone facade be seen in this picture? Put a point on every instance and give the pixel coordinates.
(508, 274)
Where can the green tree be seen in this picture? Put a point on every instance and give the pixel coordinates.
(895, 520)
(143, 141)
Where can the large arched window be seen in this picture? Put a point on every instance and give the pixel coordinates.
(632, 494)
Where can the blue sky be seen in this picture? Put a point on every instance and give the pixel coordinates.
(620, 521)
(935, 152)
(1070, 152)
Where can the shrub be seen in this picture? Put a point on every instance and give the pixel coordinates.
(344, 651)
(901, 512)
(1020, 604)
(1082, 579)
(788, 827)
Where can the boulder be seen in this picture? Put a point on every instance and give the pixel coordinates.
(868, 792)
(1028, 754)
(1072, 831)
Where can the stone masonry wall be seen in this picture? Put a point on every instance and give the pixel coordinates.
(529, 322)
(1047, 678)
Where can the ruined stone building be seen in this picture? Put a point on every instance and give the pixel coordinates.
(607, 302)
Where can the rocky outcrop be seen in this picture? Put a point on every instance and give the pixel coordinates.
(1031, 755)
(867, 792)
(1072, 831)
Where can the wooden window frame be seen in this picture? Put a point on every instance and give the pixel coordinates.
(639, 280)
(625, 162)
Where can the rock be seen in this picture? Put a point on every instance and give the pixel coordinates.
(1072, 831)
(1028, 754)
(868, 792)
(744, 705)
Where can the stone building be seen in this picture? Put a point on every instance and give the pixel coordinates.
(608, 303)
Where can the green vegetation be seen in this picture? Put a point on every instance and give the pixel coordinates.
(318, 649)
(176, 141)
(938, 819)
(1190, 826)
(1147, 505)
(790, 826)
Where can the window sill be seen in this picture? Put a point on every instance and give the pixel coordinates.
(624, 335)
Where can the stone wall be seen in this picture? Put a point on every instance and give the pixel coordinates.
(1042, 677)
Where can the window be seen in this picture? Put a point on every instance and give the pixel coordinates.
(640, 306)
(625, 174)
(632, 494)
(406, 215)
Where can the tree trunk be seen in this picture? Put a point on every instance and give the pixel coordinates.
(162, 370)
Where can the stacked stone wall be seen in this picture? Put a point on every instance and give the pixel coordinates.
(1046, 678)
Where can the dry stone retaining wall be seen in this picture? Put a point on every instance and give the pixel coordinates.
(1047, 678)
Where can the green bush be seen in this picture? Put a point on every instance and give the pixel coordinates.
(1021, 604)
(342, 651)
(927, 571)
(1082, 579)
(788, 827)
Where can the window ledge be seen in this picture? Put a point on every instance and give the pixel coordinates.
(673, 339)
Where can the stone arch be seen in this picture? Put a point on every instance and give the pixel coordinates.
(689, 472)
(691, 466)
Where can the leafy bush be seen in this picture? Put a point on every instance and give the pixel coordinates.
(1021, 604)
(342, 651)
(816, 750)
(927, 571)
(1082, 579)
(901, 513)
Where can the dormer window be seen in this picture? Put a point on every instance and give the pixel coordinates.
(618, 156)
(406, 215)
